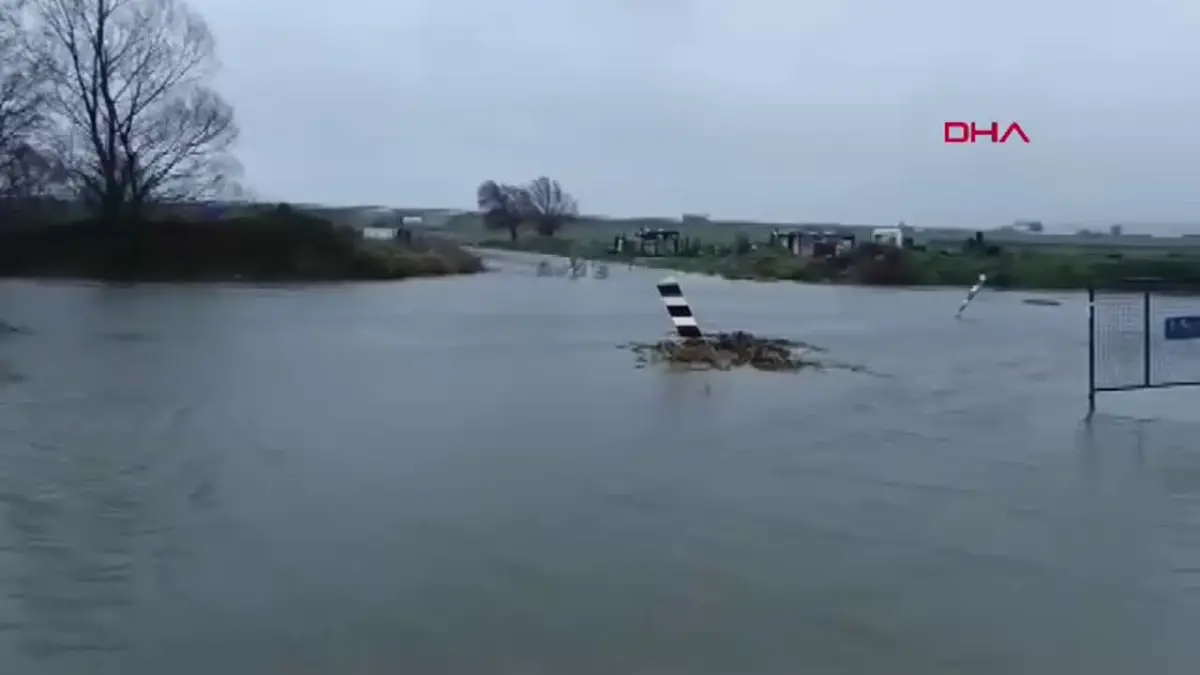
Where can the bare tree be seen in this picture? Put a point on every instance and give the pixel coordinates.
(23, 170)
(519, 200)
(549, 206)
(134, 120)
(27, 173)
(503, 206)
(488, 196)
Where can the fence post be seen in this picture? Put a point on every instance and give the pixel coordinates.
(1091, 350)
(1146, 338)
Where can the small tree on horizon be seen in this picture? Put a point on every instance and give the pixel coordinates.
(502, 206)
(549, 206)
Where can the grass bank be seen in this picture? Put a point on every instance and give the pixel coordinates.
(277, 246)
(884, 266)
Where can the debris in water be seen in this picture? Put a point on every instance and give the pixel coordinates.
(1047, 302)
(726, 350)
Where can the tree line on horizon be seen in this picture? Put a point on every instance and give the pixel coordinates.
(108, 103)
(541, 203)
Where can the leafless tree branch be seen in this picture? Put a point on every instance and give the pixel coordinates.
(548, 205)
(23, 168)
(503, 206)
(128, 99)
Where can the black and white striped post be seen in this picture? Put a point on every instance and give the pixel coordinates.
(683, 319)
(971, 293)
(678, 309)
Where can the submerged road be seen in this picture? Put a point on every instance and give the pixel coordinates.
(465, 476)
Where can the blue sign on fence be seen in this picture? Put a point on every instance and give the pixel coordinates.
(1182, 328)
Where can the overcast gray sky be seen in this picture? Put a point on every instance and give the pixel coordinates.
(761, 109)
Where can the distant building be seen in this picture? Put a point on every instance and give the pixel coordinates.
(1115, 230)
(888, 236)
(379, 233)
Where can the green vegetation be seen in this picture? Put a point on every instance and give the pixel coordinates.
(1045, 269)
(280, 245)
(871, 264)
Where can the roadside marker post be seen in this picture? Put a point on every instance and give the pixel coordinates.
(682, 318)
(974, 290)
(678, 309)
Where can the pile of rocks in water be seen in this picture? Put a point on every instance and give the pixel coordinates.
(727, 350)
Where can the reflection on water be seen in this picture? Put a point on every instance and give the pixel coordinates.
(1152, 465)
(75, 538)
(465, 475)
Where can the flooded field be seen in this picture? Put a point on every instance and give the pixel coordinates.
(467, 476)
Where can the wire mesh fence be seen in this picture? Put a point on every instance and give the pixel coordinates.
(1143, 334)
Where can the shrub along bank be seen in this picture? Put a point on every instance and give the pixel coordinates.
(281, 245)
(871, 264)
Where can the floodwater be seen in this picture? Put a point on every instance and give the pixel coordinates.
(465, 476)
